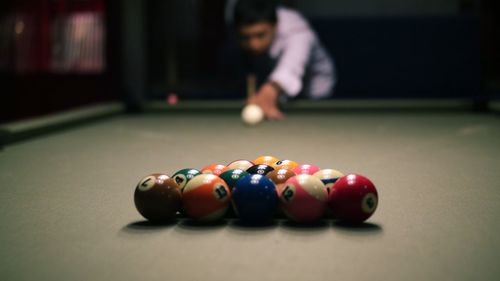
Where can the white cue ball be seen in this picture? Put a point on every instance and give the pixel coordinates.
(252, 114)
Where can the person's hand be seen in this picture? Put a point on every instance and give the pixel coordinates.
(267, 99)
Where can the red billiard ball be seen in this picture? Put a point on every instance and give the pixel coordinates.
(206, 197)
(157, 197)
(304, 198)
(353, 199)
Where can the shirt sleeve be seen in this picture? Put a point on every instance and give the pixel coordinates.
(291, 65)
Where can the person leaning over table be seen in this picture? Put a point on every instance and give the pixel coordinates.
(280, 43)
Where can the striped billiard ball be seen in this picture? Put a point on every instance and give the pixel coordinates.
(206, 197)
(304, 198)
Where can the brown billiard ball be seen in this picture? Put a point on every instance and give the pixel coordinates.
(353, 199)
(157, 197)
(279, 177)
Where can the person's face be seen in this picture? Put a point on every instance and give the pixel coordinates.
(256, 38)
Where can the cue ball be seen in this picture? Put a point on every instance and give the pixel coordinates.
(353, 199)
(252, 114)
(157, 197)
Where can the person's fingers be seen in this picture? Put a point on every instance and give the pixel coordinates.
(274, 114)
(251, 100)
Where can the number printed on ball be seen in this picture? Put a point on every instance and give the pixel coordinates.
(369, 203)
(220, 192)
(147, 183)
(288, 193)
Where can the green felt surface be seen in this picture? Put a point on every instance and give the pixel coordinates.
(66, 208)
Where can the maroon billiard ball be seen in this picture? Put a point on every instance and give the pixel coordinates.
(157, 197)
(353, 199)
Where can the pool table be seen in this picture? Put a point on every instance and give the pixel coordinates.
(67, 211)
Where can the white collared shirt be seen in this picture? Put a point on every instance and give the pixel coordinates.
(302, 64)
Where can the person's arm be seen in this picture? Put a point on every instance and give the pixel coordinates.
(267, 99)
(287, 76)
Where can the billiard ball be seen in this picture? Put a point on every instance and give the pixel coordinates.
(307, 169)
(239, 164)
(232, 176)
(260, 169)
(215, 169)
(353, 199)
(284, 164)
(252, 114)
(182, 177)
(279, 177)
(328, 177)
(206, 197)
(304, 198)
(157, 197)
(265, 159)
(255, 199)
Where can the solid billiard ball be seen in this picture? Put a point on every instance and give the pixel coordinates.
(304, 198)
(307, 169)
(284, 164)
(206, 197)
(157, 197)
(252, 114)
(353, 199)
(260, 169)
(255, 199)
(265, 159)
(215, 169)
(232, 176)
(328, 177)
(239, 164)
(182, 177)
(279, 177)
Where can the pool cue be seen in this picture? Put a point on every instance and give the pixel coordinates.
(251, 85)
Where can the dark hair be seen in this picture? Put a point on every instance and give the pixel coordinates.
(254, 11)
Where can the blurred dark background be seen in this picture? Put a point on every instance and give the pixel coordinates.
(61, 54)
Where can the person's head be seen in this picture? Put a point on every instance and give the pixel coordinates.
(255, 22)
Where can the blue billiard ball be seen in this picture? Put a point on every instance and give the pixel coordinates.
(255, 198)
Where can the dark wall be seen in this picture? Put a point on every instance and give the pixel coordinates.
(404, 57)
